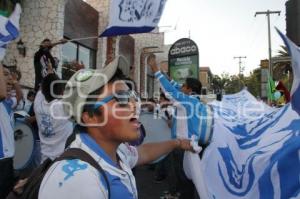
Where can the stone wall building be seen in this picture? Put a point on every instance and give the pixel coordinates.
(39, 19)
(53, 19)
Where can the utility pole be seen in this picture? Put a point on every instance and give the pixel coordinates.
(241, 69)
(268, 13)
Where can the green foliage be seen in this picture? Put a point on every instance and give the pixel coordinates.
(253, 82)
(7, 7)
(283, 70)
(218, 83)
(232, 83)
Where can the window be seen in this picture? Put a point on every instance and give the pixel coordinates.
(84, 56)
(73, 52)
(69, 52)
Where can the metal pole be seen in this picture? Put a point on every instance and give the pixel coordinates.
(270, 47)
(268, 12)
(240, 68)
(240, 63)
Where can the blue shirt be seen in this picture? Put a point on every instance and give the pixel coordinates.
(191, 117)
(7, 142)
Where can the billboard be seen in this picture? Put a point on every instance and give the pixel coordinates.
(184, 60)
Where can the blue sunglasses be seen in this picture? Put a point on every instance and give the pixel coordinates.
(122, 97)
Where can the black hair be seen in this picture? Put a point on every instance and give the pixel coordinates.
(51, 88)
(163, 96)
(31, 93)
(46, 40)
(194, 84)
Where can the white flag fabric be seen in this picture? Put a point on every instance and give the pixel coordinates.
(255, 149)
(9, 29)
(133, 16)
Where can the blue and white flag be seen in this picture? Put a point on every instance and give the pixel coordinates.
(255, 149)
(133, 16)
(9, 29)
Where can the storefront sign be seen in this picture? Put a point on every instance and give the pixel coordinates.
(184, 60)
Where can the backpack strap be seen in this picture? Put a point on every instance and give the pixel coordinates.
(76, 153)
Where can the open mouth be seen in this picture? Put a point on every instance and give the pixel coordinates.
(134, 121)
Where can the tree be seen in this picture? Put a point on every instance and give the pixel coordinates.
(228, 83)
(218, 83)
(7, 6)
(234, 84)
(253, 82)
(282, 70)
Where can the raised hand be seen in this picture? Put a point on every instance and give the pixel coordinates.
(152, 63)
(49, 67)
(63, 41)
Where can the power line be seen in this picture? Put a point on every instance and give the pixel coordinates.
(241, 69)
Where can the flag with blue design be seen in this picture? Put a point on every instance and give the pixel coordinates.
(255, 149)
(133, 16)
(9, 29)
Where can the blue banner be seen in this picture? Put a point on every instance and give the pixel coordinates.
(133, 16)
(9, 29)
(255, 149)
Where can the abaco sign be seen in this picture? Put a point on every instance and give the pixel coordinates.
(184, 60)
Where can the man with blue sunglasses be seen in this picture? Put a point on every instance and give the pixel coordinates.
(107, 113)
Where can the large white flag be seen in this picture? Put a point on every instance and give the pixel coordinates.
(9, 29)
(133, 16)
(255, 149)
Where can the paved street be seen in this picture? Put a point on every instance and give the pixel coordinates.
(147, 188)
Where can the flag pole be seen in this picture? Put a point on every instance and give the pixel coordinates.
(84, 38)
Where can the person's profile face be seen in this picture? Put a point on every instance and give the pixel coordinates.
(46, 45)
(30, 98)
(185, 89)
(118, 121)
(8, 79)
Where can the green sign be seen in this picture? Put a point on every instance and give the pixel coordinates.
(183, 67)
(183, 60)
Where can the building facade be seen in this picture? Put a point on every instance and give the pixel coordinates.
(75, 19)
(205, 76)
(39, 19)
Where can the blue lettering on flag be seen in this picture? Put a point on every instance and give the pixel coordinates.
(133, 16)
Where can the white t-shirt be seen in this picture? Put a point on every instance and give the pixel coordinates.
(76, 179)
(54, 126)
(7, 142)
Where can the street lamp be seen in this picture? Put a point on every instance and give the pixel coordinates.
(21, 48)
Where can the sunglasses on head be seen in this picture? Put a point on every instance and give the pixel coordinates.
(122, 97)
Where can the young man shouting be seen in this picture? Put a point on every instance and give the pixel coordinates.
(106, 111)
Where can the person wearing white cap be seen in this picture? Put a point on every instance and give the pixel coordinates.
(106, 112)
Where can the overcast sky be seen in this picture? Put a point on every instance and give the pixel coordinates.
(223, 29)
